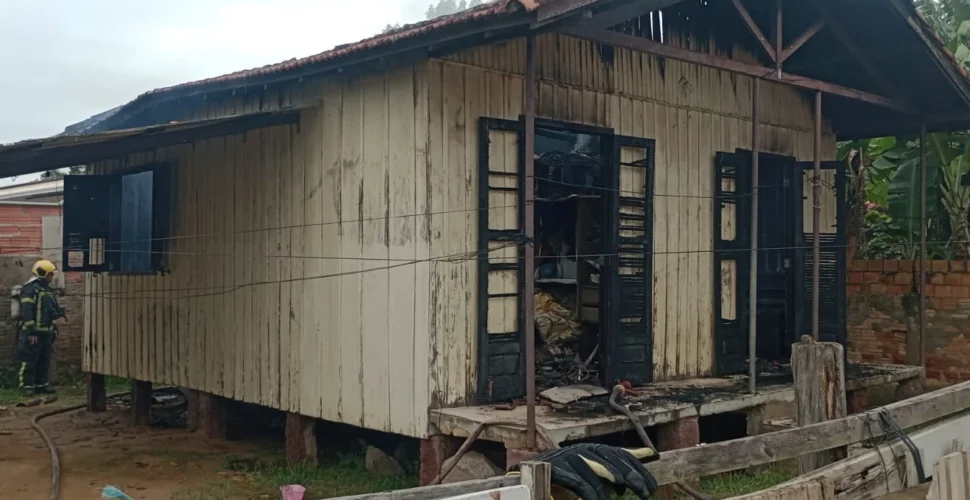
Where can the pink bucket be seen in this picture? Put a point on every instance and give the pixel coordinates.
(292, 492)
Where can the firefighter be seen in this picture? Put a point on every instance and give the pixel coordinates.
(38, 311)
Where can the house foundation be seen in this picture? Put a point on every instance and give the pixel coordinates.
(434, 451)
(212, 415)
(856, 401)
(96, 397)
(909, 388)
(301, 439)
(141, 402)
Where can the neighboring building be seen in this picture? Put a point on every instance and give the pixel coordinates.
(388, 174)
(30, 229)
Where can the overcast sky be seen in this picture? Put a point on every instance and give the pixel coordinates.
(62, 61)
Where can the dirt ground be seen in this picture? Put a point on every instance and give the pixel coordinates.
(102, 449)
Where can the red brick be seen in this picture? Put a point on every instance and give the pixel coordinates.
(858, 265)
(937, 278)
(961, 292)
(877, 289)
(939, 266)
(906, 265)
(855, 277)
(953, 279)
(853, 289)
(683, 433)
(903, 279)
(965, 279)
(515, 456)
(433, 453)
(959, 266)
(896, 289)
(874, 265)
(890, 266)
(870, 278)
(942, 291)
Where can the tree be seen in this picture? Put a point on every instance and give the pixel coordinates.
(442, 8)
(885, 206)
(57, 174)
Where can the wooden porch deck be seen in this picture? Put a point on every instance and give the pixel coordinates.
(655, 404)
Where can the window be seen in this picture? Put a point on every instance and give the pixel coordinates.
(120, 222)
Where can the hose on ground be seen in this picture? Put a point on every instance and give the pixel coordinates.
(450, 463)
(55, 461)
(618, 390)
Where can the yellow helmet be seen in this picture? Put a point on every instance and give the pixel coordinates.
(44, 268)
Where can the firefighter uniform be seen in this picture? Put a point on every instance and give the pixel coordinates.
(38, 311)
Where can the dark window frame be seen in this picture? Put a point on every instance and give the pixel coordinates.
(92, 222)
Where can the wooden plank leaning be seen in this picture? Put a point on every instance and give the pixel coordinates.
(715, 458)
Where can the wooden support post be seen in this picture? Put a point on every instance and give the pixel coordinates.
(213, 416)
(922, 245)
(97, 399)
(753, 273)
(434, 451)
(756, 420)
(819, 393)
(816, 210)
(538, 477)
(301, 439)
(531, 89)
(141, 402)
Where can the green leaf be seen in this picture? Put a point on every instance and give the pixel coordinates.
(904, 196)
(962, 54)
(964, 28)
(883, 163)
(880, 145)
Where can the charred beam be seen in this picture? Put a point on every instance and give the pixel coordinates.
(613, 14)
(804, 37)
(753, 28)
(712, 61)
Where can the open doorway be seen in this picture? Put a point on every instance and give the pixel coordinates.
(784, 259)
(593, 239)
(570, 213)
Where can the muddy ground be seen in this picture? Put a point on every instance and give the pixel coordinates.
(103, 449)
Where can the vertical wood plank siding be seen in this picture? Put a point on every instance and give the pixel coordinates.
(692, 112)
(292, 280)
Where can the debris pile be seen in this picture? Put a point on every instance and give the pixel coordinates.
(558, 359)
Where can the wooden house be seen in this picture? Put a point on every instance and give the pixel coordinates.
(341, 236)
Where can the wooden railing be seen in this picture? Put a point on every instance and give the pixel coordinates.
(699, 461)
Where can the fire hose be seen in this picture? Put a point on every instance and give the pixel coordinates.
(618, 390)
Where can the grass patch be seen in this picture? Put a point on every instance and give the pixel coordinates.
(344, 476)
(738, 483)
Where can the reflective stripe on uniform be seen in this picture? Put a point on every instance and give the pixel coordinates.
(40, 307)
(20, 375)
(27, 300)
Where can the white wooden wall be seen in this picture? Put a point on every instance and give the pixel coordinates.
(290, 283)
(692, 113)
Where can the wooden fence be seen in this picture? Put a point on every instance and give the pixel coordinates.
(850, 478)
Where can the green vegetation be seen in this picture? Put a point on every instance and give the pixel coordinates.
(884, 195)
(245, 478)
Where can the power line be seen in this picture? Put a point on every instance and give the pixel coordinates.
(458, 258)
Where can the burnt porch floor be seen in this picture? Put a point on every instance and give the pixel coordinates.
(655, 404)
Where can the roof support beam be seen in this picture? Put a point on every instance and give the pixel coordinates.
(712, 61)
(753, 28)
(614, 13)
(858, 54)
(804, 37)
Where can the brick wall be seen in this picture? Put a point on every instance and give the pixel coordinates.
(22, 242)
(883, 308)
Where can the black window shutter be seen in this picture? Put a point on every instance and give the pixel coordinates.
(162, 202)
(86, 226)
